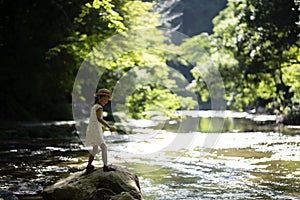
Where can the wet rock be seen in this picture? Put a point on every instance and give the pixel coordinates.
(123, 196)
(12, 197)
(7, 195)
(116, 185)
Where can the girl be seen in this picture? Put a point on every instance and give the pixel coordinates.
(94, 133)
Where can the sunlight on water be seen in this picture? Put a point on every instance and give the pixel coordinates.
(237, 164)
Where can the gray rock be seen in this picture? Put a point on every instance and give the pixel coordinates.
(11, 197)
(123, 196)
(116, 185)
(7, 195)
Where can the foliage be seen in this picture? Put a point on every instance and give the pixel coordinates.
(119, 42)
(256, 52)
(147, 101)
(43, 44)
(270, 38)
(254, 45)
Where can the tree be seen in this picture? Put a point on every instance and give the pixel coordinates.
(114, 44)
(270, 39)
(255, 53)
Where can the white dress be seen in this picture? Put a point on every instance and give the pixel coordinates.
(94, 132)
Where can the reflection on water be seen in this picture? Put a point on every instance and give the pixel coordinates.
(245, 162)
(253, 165)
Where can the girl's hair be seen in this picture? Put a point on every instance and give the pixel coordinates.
(97, 98)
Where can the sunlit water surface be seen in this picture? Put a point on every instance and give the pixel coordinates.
(238, 164)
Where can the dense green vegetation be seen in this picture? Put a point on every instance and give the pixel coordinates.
(252, 43)
(257, 53)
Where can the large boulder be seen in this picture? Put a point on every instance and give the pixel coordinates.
(116, 185)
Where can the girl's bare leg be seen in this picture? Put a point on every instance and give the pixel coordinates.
(106, 168)
(104, 153)
(92, 155)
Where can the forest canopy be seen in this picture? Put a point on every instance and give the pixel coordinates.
(256, 52)
(254, 44)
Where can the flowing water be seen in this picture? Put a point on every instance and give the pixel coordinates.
(244, 161)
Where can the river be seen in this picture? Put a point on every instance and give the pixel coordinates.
(245, 160)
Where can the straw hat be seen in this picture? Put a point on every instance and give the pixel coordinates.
(103, 91)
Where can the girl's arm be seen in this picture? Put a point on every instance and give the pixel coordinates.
(99, 114)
